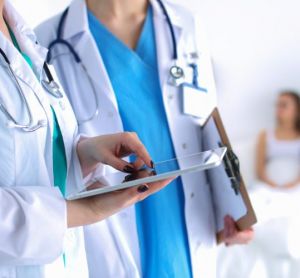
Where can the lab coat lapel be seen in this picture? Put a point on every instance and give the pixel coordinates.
(27, 41)
(92, 60)
(66, 121)
(78, 34)
(164, 47)
(26, 77)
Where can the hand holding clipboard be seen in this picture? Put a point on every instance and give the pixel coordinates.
(227, 201)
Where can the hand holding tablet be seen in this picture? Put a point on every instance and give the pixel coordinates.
(162, 171)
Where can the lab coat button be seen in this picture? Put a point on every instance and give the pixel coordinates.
(170, 97)
(184, 146)
(192, 195)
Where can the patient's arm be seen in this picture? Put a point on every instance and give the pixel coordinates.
(292, 184)
(261, 160)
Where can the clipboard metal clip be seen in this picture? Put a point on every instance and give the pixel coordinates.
(232, 168)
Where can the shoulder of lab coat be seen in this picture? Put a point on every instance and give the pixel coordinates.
(20, 208)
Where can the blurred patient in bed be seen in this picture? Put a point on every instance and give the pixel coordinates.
(276, 197)
(275, 250)
(278, 150)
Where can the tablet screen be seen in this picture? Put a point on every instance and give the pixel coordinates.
(162, 170)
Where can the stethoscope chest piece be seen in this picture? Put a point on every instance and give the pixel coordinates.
(176, 75)
(176, 72)
(52, 88)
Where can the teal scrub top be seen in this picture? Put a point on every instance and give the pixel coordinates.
(59, 155)
(160, 218)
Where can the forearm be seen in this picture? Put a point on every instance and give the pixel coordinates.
(79, 214)
(88, 165)
(94, 209)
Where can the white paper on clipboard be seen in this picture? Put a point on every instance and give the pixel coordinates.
(225, 199)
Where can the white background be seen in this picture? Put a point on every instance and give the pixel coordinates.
(255, 47)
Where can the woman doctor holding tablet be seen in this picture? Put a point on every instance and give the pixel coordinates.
(39, 148)
(126, 65)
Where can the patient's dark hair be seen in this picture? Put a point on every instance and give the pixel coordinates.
(296, 98)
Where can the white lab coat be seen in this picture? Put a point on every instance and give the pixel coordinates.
(112, 245)
(33, 230)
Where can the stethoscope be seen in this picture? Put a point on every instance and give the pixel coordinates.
(49, 85)
(176, 72)
(78, 61)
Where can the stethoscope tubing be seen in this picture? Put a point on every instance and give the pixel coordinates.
(50, 85)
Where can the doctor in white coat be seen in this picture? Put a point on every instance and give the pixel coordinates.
(38, 234)
(113, 246)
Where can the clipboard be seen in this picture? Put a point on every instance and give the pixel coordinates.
(231, 165)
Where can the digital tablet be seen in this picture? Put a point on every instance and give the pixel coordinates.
(162, 170)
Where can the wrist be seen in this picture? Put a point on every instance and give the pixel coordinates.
(80, 213)
(87, 162)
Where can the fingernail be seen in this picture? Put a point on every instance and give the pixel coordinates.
(128, 169)
(128, 178)
(152, 164)
(153, 173)
(143, 188)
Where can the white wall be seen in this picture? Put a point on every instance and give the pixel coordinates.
(255, 47)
